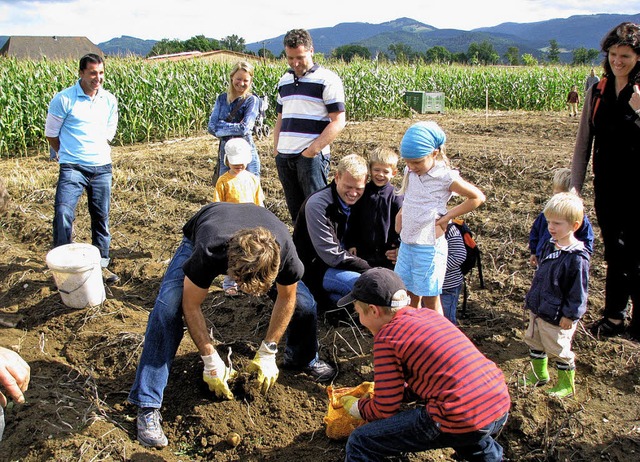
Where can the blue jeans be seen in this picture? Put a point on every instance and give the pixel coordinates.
(415, 431)
(338, 283)
(449, 299)
(300, 177)
(165, 330)
(253, 166)
(302, 333)
(72, 181)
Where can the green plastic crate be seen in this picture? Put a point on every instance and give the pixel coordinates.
(423, 102)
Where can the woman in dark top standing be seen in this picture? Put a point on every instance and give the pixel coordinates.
(611, 123)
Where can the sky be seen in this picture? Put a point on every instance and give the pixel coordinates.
(258, 20)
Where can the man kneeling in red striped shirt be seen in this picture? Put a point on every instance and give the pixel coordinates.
(418, 355)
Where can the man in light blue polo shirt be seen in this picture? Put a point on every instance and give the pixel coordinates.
(81, 122)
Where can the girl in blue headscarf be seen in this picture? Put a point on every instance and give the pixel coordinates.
(428, 184)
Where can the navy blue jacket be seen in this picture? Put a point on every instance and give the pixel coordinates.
(560, 284)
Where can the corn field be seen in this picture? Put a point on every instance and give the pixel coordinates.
(161, 100)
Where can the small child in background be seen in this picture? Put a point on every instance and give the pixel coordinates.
(573, 99)
(428, 184)
(238, 185)
(558, 296)
(539, 234)
(453, 278)
(371, 232)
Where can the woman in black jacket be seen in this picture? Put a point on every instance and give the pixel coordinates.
(611, 123)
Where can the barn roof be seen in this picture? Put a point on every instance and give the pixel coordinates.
(53, 47)
(216, 55)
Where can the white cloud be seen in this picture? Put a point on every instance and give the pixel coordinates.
(255, 20)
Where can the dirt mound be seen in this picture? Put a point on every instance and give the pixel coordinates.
(83, 361)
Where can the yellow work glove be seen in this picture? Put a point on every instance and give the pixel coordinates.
(264, 363)
(350, 403)
(216, 374)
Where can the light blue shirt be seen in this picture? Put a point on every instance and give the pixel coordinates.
(88, 124)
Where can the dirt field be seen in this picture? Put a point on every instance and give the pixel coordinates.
(83, 361)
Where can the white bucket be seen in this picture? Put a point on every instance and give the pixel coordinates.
(77, 273)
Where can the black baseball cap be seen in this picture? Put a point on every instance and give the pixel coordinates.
(376, 286)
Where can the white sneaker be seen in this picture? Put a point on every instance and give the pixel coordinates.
(150, 432)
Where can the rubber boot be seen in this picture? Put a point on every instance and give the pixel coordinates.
(538, 375)
(566, 384)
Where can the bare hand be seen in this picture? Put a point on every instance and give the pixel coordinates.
(307, 153)
(392, 255)
(634, 101)
(398, 223)
(565, 323)
(14, 376)
(533, 261)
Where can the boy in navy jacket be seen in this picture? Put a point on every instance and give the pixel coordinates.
(558, 295)
(371, 233)
(539, 234)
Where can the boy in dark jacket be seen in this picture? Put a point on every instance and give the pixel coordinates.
(371, 234)
(558, 295)
(539, 234)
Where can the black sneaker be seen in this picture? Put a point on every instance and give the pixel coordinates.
(320, 371)
(606, 328)
(149, 423)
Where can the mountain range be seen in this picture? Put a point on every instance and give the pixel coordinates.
(533, 38)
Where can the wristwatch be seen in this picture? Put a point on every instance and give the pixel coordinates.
(271, 346)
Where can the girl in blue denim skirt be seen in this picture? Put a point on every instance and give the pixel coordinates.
(428, 184)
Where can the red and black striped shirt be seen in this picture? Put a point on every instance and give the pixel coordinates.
(422, 351)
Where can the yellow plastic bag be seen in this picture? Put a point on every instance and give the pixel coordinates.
(339, 422)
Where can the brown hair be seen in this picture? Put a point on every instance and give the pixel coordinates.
(626, 33)
(296, 37)
(90, 58)
(254, 259)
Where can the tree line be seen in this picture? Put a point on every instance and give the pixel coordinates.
(482, 53)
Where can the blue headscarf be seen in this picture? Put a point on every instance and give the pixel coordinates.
(421, 139)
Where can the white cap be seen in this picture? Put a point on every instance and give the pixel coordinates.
(237, 151)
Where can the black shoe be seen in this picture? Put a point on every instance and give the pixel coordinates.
(109, 277)
(320, 371)
(606, 328)
(634, 331)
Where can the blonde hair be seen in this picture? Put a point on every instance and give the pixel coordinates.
(239, 66)
(440, 155)
(353, 164)
(254, 259)
(383, 155)
(562, 179)
(566, 206)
